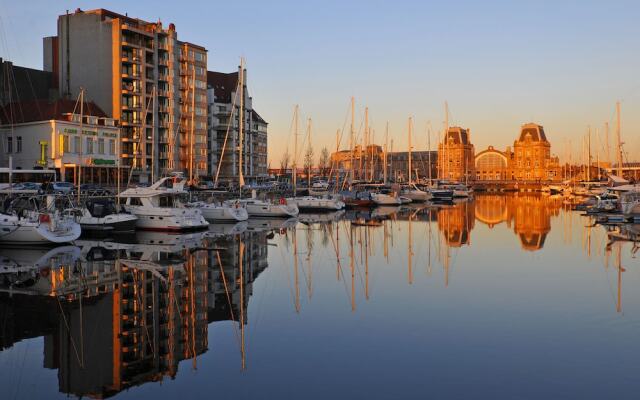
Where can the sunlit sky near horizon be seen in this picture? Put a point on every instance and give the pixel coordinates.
(498, 64)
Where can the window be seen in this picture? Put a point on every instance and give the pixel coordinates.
(19, 144)
(89, 146)
(77, 144)
(100, 146)
(9, 145)
(112, 147)
(64, 144)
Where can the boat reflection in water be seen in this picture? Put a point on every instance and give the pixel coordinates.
(115, 315)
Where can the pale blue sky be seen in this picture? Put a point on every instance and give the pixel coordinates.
(499, 64)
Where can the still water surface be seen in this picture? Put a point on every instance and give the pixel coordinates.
(502, 296)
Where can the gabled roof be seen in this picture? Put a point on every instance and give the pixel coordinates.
(44, 110)
(223, 85)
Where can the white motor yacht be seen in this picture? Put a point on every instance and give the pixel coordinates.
(416, 195)
(102, 216)
(24, 222)
(385, 199)
(314, 204)
(158, 207)
(230, 212)
(266, 209)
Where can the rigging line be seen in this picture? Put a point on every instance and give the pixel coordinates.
(146, 328)
(66, 324)
(226, 136)
(226, 291)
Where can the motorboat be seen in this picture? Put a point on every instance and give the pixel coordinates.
(416, 195)
(315, 204)
(460, 190)
(266, 209)
(158, 207)
(25, 222)
(385, 199)
(357, 198)
(230, 212)
(101, 215)
(441, 194)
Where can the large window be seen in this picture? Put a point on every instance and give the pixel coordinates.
(19, 144)
(89, 146)
(100, 146)
(9, 145)
(77, 144)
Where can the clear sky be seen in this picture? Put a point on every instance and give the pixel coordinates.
(499, 64)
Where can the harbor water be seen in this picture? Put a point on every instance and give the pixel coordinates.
(501, 296)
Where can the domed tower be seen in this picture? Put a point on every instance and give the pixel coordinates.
(456, 156)
(532, 155)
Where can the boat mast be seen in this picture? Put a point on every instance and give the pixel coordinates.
(409, 175)
(386, 143)
(365, 145)
(295, 149)
(309, 152)
(589, 154)
(607, 146)
(80, 150)
(446, 142)
(241, 127)
(429, 151)
(619, 141)
(193, 115)
(351, 140)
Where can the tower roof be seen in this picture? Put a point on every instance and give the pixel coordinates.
(535, 131)
(458, 135)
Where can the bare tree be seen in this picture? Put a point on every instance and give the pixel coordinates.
(308, 158)
(324, 161)
(284, 161)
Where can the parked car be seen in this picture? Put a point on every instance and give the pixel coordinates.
(26, 186)
(63, 187)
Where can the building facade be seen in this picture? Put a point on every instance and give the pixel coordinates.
(529, 161)
(224, 135)
(138, 73)
(50, 135)
(457, 156)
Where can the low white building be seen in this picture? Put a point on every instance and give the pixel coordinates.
(50, 135)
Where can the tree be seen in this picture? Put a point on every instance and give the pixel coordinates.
(308, 158)
(324, 161)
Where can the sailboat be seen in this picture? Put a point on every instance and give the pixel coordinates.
(26, 222)
(311, 203)
(411, 191)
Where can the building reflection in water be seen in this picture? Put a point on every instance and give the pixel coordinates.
(116, 315)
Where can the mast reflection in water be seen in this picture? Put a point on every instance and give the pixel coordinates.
(511, 294)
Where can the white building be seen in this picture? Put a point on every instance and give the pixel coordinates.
(43, 134)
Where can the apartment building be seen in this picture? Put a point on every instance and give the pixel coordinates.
(224, 140)
(457, 155)
(139, 73)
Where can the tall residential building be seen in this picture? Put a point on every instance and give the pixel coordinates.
(457, 155)
(224, 130)
(139, 73)
(193, 109)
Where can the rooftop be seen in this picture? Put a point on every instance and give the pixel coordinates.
(44, 110)
(223, 85)
(535, 131)
(458, 135)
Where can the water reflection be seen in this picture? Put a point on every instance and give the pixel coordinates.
(115, 315)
